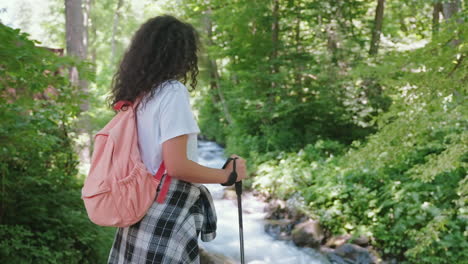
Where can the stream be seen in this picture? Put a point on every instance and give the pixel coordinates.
(260, 247)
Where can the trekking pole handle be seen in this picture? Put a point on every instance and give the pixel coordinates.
(233, 176)
(238, 187)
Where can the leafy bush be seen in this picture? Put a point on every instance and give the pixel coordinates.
(284, 174)
(406, 185)
(211, 121)
(42, 218)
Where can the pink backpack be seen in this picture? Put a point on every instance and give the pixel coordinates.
(119, 190)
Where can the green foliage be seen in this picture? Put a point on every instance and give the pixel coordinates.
(292, 82)
(405, 185)
(42, 218)
(211, 120)
(284, 174)
(371, 145)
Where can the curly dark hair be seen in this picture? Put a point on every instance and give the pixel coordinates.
(163, 48)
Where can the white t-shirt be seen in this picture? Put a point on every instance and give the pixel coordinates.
(167, 115)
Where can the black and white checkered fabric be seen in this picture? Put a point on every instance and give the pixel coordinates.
(169, 232)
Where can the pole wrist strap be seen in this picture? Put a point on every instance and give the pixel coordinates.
(233, 176)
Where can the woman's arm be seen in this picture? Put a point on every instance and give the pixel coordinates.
(180, 167)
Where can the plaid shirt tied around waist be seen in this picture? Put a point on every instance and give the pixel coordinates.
(169, 232)
(208, 228)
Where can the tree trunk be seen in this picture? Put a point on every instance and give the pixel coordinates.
(86, 22)
(91, 30)
(437, 9)
(274, 66)
(75, 29)
(332, 40)
(114, 31)
(270, 93)
(450, 8)
(275, 39)
(299, 67)
(377, 30)
(213, 69)
(76, 41)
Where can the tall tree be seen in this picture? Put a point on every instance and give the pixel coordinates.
(377, 30)
(297, 39)
(450, 8)
(76, 21)
(76, 41)
(90, 29)
(215, 85)
(332, 39)
(275, 37)
(436, 11)
(115, 24)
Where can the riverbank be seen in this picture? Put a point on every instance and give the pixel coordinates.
(353, 193)
(259, 246)
(286, 221)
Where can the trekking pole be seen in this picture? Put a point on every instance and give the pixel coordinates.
(238, 186)
(241, 226)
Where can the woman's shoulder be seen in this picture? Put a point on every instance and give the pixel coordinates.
(172, 91)
(168, 91)
(172, 86)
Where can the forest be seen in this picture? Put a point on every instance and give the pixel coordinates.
(352, 109)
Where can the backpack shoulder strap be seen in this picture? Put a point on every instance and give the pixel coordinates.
(118, 106)
(165, 185)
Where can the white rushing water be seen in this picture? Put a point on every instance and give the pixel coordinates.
(259, 246)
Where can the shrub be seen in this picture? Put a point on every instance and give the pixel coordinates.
(42, 218)
(405, 185)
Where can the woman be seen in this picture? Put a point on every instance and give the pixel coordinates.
(162, 53)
